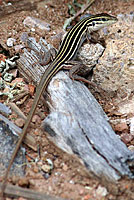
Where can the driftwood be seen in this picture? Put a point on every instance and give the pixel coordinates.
(78, 125)
(15, 192)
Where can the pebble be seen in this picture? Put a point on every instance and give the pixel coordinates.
(23, 182)
(20, 122)
(46, 168)
(35, 119)
(15, 179)
(33, 29)
(35, 22)
(121, 127)
(81, 192)
(35, 169)
(56, 163)
(101, 191)
(87, 197)
(18, 47)
(126, 138)
(46, 175)
(10, 42)
(71, 181)
(131, 148)
(65, 167)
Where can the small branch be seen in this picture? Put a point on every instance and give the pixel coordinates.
(69, 20)
(86, 6)
(17, 110)
(15, 192)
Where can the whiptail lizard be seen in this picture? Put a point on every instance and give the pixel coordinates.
(68, 49)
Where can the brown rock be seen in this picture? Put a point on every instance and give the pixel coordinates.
(20, 122)
(65, 167)
(126, 138)
(23, 182)
(36, 119)
(121, 127)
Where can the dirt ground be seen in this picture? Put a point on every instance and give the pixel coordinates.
(67, 179)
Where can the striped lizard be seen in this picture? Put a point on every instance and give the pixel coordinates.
(68, 50)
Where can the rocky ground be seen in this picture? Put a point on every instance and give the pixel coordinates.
(54, 172)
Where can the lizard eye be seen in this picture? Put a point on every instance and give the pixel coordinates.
(93, 23)
(104, 19)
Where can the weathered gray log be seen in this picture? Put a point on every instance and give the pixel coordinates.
(78, 125)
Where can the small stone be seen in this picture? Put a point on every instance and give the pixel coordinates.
(71, 181)
(65, 167)
(33, 29)
(81, 192)
(56, 163)
(50, 188)
(121, 127)
(32, 182)
(35, 169)
(20, 122)
(36, 119)
(18, 47)
(101, 191)
(88, 188)
(10, 42)
(46, 175)
(15, 179)
(40, 163)
(87, 197)
(35, 22)
(46, 168)
(23, 182)
(131, 148)
(126, 138)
